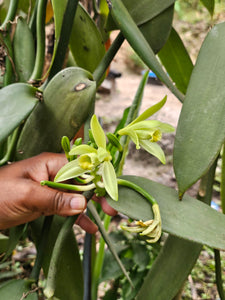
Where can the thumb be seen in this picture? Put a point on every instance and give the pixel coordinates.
(50, 201)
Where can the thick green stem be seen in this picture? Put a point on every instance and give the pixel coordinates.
(217, 252)
(11, 13)
(40, 53)
(6, 41)
(137, 188)
(12, 142)
(33, 20)
(107, 240)
(133, 112)
(87, 264)
(222, 185)
(99, 260)
(64, 38)
(205, 195)
(41, 248)
(9, 65)
(219, 281)
(108, 57)
(71, 187)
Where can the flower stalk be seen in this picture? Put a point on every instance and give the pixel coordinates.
(152, 229)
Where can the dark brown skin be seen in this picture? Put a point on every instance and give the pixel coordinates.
(23, 199)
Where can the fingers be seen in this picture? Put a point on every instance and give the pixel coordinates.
(45, 166)
(105, 206)
(86, 224)
(48, 201)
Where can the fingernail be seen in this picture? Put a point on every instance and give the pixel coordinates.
(78, 203)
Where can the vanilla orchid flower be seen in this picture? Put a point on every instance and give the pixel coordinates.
(151, 229)
(146, 133)
(93, 162)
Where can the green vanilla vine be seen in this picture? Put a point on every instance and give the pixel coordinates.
(151, 228)
(71, 187)
(40, 53)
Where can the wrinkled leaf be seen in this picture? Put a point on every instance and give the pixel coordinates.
(66, 104)
(201, 126)
(177, 61)
(188, 219)
(16, 102)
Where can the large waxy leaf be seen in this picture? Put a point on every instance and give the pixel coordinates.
(15, 289)
(156, 31)
(138, 42)
(169, 270)
(16, 102)
(154, 19)
(23, 42)
(65, 107)
(210, 5)
(86, 43)
(69, 278)
(177, 61)
(201, 127)
(144, 10)
(188, 219)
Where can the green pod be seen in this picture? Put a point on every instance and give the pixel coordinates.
(24, 50)
(65, 106)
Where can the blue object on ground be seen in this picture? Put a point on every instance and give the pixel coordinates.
(214, 205)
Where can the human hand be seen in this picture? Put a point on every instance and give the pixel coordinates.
(23, 199)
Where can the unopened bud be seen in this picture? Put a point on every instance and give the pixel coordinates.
(114, 141)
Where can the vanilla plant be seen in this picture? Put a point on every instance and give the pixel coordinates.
(91, 164)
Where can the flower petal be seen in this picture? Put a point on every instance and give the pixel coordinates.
(154, 149)
(132, 134)
(145, 125)
(150, 111)
(164, 127)
(110, 180)
(98, 133)
(82, 149)
(70, 170)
